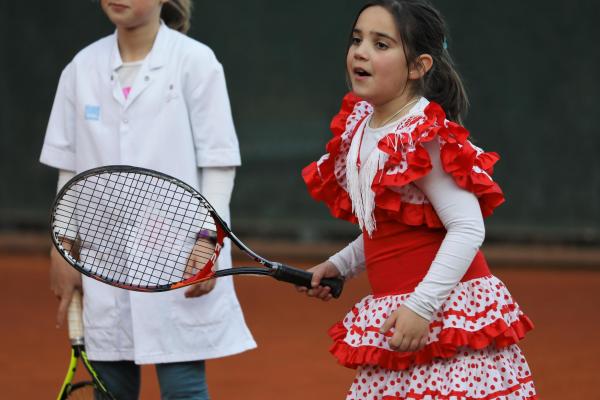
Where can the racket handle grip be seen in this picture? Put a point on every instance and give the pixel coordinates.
(74, 320)
(301, 277)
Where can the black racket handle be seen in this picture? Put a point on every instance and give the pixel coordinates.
(301, 277)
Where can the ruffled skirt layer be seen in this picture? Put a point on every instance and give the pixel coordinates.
(471, 350)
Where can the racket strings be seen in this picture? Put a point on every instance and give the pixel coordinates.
(135, 229)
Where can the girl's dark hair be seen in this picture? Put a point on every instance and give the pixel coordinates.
(423, 31)
(177, 14)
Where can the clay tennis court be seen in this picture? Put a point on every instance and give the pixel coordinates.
(292, 361)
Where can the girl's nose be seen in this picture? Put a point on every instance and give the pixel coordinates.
(360, 52)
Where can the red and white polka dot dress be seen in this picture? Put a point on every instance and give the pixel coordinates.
(471, 351)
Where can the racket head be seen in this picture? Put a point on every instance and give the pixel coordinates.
(86, 390)
(136, 229)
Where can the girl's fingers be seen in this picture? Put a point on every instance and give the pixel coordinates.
(407, 343)
(404, 343)
(388, 323)
(200, 289)
(65, 300)
(319, 292)
(396, 341)
(316, 278)
(324, 292)
(414, 344)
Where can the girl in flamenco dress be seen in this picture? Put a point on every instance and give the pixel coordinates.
(438, 324)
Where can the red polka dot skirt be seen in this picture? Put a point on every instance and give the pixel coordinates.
(471, 351)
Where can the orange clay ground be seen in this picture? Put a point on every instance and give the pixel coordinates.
(292, 361)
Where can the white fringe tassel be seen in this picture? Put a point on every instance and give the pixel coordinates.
(359, 183)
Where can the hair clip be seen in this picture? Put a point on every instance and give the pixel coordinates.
(445, 44)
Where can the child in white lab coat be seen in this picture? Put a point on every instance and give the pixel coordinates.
(149, 96)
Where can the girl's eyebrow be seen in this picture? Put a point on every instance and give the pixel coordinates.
(377, 34)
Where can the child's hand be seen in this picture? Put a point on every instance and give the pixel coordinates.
(63, 281)
(411, 330)
(196, 261)
(201, 288)
(324, 270)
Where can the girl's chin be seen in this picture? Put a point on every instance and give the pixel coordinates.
(362, 93)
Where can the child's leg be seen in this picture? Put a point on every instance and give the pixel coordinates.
(122, 378)
(184, 380)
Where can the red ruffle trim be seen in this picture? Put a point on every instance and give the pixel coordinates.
(462, 395)
(320, 178)
(338, 123)
(459, 158)
(449, 341)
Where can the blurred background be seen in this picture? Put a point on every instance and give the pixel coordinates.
(532, 72)
(531, 69)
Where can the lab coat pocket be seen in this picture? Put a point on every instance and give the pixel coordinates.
(206, 310)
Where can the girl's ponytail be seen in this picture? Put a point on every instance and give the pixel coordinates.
(443, 85)
(177, 14)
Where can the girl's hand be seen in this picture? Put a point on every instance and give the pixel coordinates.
(194, 264)
(200, 289)
(64, 279)
(411, 330)
(324, 270)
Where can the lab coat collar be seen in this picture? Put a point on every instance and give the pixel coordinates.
(154, 60)
(157, 56)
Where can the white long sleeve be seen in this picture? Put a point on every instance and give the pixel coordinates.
(460, 213)
(68, 228)
(217, 186)
(64, 176)
(350, 261)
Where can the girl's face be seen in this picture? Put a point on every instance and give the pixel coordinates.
(131, 14)
(376, 62)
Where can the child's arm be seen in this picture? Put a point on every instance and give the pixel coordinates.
(63, 278)
(216, 187)
(347, 263)
(350, 261)
(460, 213)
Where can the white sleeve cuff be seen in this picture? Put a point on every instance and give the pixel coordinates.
(61, 158)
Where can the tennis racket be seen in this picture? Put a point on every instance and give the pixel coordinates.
(142, 230)
(83, 389)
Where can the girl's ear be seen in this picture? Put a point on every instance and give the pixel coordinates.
(421, 66)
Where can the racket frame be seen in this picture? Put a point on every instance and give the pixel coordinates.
(276, 270)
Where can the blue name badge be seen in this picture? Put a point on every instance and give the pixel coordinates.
(92, 113)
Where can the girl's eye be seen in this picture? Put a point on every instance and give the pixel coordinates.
(355, 40)
(381, 46)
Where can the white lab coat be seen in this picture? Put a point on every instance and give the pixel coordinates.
(176, 118)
